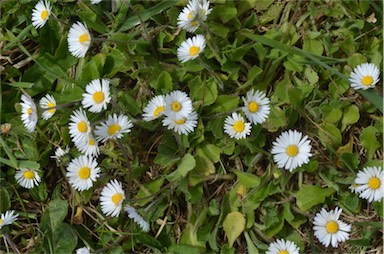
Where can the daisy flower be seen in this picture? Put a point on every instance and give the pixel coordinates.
(132, 213)
(370, 183)
(191, 48)
(329, 229)
(113, 128)
(364, 76)
(111, 199)
(236, 127)
(8, 218)
(27, 178)
(188, 17)
(154, 109)
(353, 188)
(79, 127)
(283, 247)
(256, 106)
(78, 39)
(48, 104)
(89, 146)
(183, 125)
(40, 14)
(95, 1)
(82, 172)
(59, 153)
(203, 10)
(97, 96)
(28, 113)
(291, 150)
(177, 105)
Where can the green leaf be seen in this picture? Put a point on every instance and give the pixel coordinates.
(54, 215)
(164, 82)
(247, 179)
(313, 46)
(329, 135)
(183, 249)
(369, 140)
(206, 93)
(187, 164)
(5, 200)
(225, 103)
(251, 248)
(213, 152)
(234, 225)
(350, 160)
(350, 116)
(227, 13)
(311, 195)
(29, 165)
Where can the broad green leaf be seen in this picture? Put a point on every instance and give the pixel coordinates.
(251, 248)
(164, 82)
(148, 189)
(187, 164)
(329, 135)
(183, 249)
(227, 13)
(225, 103)
(350, 116)
(350, 160)
(212, 151)
(234, 225)
(29, 165)
(206, 93)
(5, 200)
(369, 140)
(54, 215)
(311, 195)
(313, 46)
(247, 179)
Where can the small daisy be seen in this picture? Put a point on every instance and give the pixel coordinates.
(113, 128)
(188, 17)
(27, 178)
(8, 218)
(329, 229)
(28, 113)
(111, 199)
(191, 48)
(78, 39)
(353, 188)
(283, 247)
(183, 125)
(48, 104)
(132, 213)
(40, 14)
(364, 76)
(154, 109)
(84, 250)
(89, 146)
(79, 127)
(203, 10)
(256, 106)
(177, 105)
(59, 153)
(370, 183)
(82, 172)
(236, 127)
(97, 96)
(290, 150)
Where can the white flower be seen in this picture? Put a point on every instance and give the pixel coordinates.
(177, 105)
(203, 10)
(329, 229)
(28, 113)
(191, 48)
(236, 127)
(193, 15)
(111, 199)
(78, 39)
(95, 1)
(283, 247)
(82, 172)
(27, 178)
(290, 150)
(256, 106)
(353, 188)
(8, 218)
(137, 218)
(97, 96)
(84, 250)
(59, 152)
(370, 183)
(113, 128)
(154, 109)
(79, 127)
(364, 76)
(40, 13)
(183, 125)
(89, 146)
(48, 104)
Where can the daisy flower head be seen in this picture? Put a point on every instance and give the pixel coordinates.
(191, 48)
(79, 127)
(188, 17)
(290, 150)
(27, 178)
(82, 172)
(79, 39)
(203, 10)
(40, 14)
(283, 247)
(154, 109)
(95, 1)
(370, 183)
(113, 128)
(97, 96)
(28, 113)
(256, 106)
(48, 104)
(8, 218)
(89, 146)
(364, 76)
(177, 105)
(353, 188)
(329, 229)
(236, 127)
(184, 125)
(132, 213)
(59, 153)
(111, 199)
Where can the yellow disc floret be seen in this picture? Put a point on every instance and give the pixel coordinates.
(84, 173)
(292, 150)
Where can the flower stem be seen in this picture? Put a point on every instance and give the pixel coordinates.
(128, 167)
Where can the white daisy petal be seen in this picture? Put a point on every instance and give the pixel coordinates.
(79, 39)
(88, 146)
(111, 198)
(48, 104)
(27, 178)
(177, 105)
(82, 172)
(41, 13)
(79, 127)
(364, 76)
(28, 113)
(59, 153)
(95, 1)
(370, 183)
(191, 48)
(132, 213)
(113, 128)
(97, 96)
(193, 15)
(154, 109)
(183, 125)
(8, 218)
(236, 127)
(283, 246)
(83, 250)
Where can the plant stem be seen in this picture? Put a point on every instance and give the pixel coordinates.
(128, 166)
(11, 243)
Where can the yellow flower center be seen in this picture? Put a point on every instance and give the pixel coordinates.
(84, 39)
(113, 129)
(190, 15)
(292, 150)
(91, 141)
(332, 227)
(82, 126)
(239, 126)
(194, 23)
(84, 172)
(116, 198)
(176, 106)
(283, 252)
(98, 97)
(29, 174)
(29, 112)
(158, 110)
(253, 106)
(51, 105)
(1, 222)
(193, 51)
(374, 183)
(367, 80)
(44, 15)
(180, 121)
